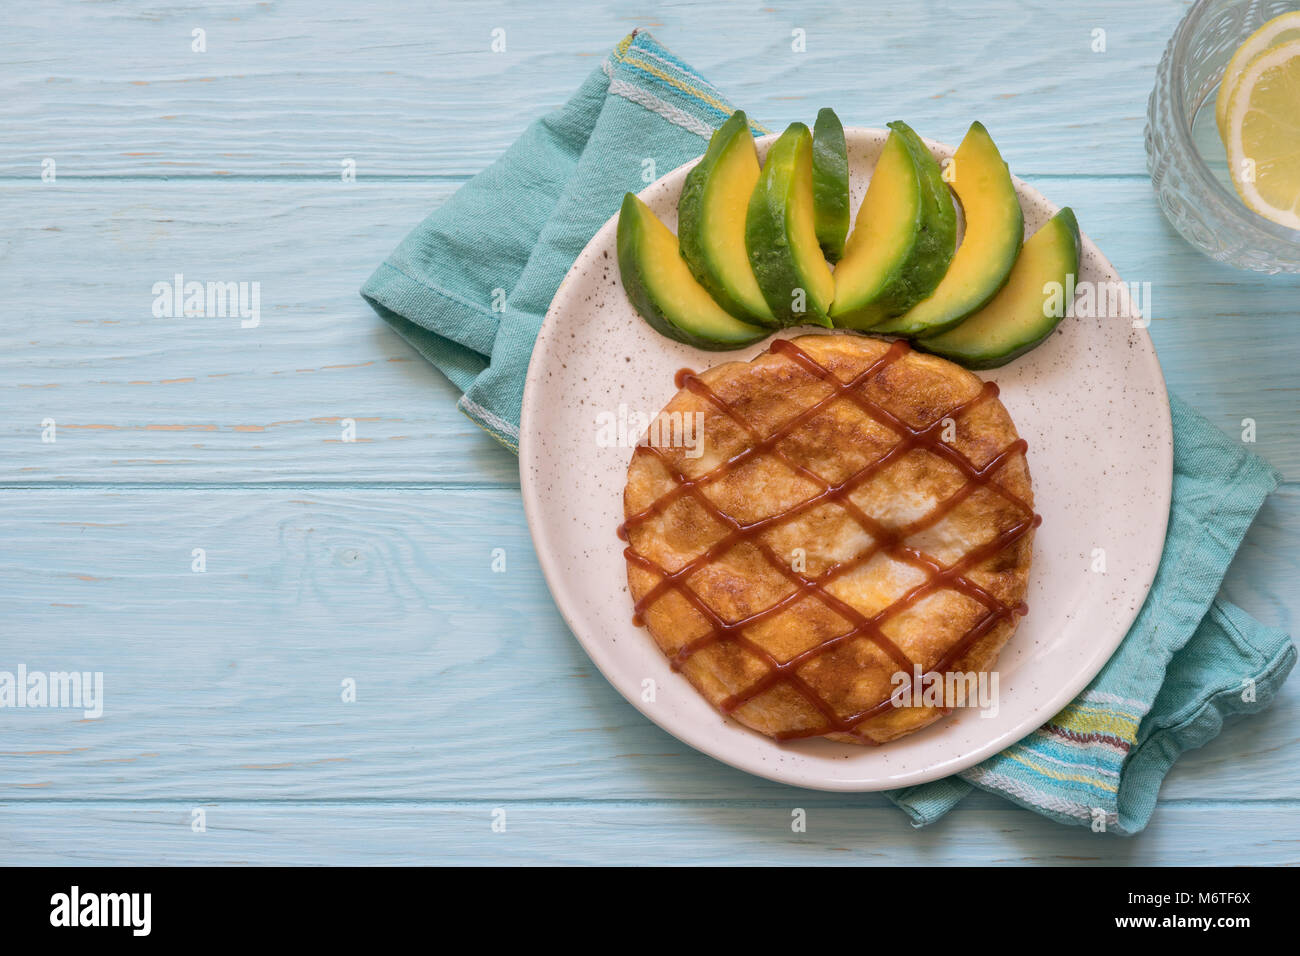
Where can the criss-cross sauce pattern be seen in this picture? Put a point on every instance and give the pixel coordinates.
(889, 541)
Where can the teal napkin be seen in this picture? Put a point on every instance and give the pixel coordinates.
(469, 287)
(1189, 660)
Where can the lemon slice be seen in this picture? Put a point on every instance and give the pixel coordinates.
(1278, 30)
(1263, 134)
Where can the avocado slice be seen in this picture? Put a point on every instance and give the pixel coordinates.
(781, 237)
(830, 172)
(662, 289)
(988, 250)
(711, 221)
(903, 240)
(1027, 308)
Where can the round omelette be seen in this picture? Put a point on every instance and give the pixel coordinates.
(812, 531)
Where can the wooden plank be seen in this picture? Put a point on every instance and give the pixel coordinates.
(373, 561)
(227, 684)
(144, 399)
(140, 398)
(294, 88)
(986, 832)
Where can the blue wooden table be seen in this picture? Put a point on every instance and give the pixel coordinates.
(239, 526)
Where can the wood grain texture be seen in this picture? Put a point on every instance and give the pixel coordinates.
(371, 560)
(145, 399)
(226, 684)
(987, 831)
(411, 88)
(137, 398)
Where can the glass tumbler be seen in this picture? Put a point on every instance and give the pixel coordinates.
(1185, 156)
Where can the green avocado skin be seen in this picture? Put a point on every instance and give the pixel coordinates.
(629, 264)
(956, 316)
(938, 239)
(995, 354)
(830, 184)
(936, 242)
(766, 236)
(690, 218)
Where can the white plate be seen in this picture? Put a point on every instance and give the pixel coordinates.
(1090, 401)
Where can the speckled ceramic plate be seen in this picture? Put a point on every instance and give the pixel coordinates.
(1090, 401)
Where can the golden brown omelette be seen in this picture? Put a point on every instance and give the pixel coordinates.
(851, 514)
